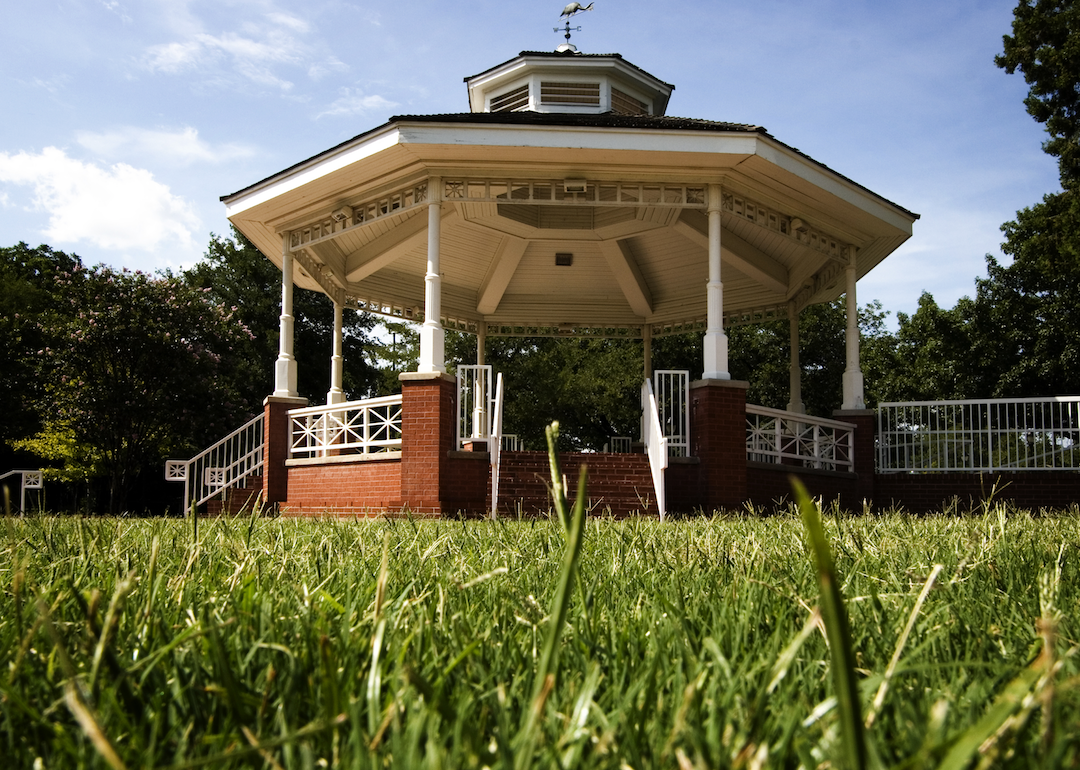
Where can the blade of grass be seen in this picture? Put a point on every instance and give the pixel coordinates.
(838, 632)
(879, 698)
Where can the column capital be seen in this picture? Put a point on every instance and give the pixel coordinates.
(714, 197)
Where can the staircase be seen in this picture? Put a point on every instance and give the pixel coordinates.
(224, 471)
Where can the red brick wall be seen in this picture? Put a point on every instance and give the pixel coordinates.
(770, 487)
(466, 485)
(718, 438)
(369, 486)
(621, 482)
(928, 492)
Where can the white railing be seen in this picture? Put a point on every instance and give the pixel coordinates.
(221, 466)
(511, 443)
(371, 426)
(798, 440)
(672, 389)
(27, 480)
(495, 446)
(621, 445)
(1007, 434)
(475, 399)
(655, 446)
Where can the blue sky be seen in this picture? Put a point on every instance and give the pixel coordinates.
(126, 120)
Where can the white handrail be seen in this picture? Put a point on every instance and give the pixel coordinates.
(655, 446)
(220, 466)
(775, 436)
(495, 445)
(353, 427)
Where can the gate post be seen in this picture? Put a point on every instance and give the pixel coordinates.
(863, 459)
(276, 442)
(427, 436)
(718, 434)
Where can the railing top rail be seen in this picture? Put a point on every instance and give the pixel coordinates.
(796, 417)
(13, 472)
(979, 401)
(221, 442)
(345, 405)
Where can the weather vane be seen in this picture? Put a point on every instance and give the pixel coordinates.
(569, 12)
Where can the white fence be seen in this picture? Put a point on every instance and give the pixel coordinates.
(776, 436)
(476, 400)
(672, 390)
(221, 466)
(979, 435)
(353, 427)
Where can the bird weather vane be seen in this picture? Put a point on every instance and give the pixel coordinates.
(573, 9)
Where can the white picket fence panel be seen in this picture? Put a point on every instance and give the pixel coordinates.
(1006, 434)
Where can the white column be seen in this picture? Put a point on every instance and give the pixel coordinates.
(853, 378)
(481, 342)
(716, 342)
(646, 350)
(285, 366)
(432, 335)
(795, 402)
(336, 394)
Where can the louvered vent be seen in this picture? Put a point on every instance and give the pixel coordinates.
(570, 93)
(511, 101)
(624, 104)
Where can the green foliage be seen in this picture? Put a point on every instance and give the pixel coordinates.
(591, 387)
(237, 275)
(135, 368)
(1045, 47)
(402, 643)
(27, 289)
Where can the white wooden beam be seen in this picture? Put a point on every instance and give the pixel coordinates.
(389, 247)
(746, 258)
(624, 267)
(503, 267)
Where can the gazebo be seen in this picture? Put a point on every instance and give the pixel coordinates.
(564, 202)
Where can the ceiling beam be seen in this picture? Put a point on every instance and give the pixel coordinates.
(746, 258)
(390, 246)
(624, 267)
(503, 267)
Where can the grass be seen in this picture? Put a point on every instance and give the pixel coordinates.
(260, 642)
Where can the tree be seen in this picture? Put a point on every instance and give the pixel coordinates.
(27, 288)
(238, 276)
(1045, 47)
(135, 368)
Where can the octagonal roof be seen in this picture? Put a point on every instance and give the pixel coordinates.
(622, 194)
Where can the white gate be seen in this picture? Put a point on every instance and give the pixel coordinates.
(476, 401)
(672, 390)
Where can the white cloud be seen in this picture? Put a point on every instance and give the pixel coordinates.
(354, 102)
(260, 46)
(181, 147)
(115, 7)
(117, 208)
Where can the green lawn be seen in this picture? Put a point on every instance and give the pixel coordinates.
(259, 642)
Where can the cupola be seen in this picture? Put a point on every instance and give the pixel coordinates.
(568, 82)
